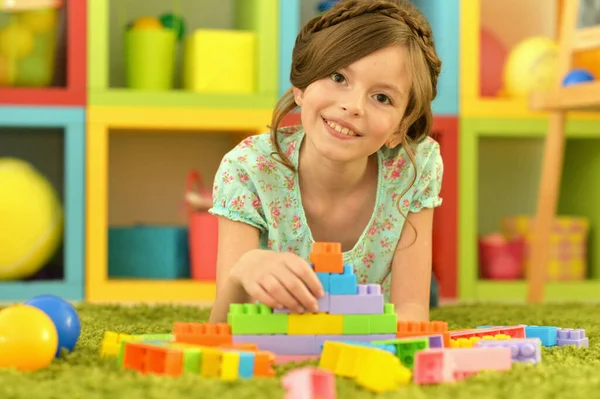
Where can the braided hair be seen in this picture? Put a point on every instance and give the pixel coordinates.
(351, 30)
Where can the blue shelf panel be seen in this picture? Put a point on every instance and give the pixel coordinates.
(72, 120)
(289, 26)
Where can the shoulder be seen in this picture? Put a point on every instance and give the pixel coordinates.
(399, 167)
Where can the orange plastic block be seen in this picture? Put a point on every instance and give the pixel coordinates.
(150, 359)
(513, 332)
(327, 257)
(240, 346)
(263, 364)
(410, 329)
(205, 334)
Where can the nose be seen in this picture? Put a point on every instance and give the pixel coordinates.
(353, 103)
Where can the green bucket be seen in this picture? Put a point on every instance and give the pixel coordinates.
(150, 58)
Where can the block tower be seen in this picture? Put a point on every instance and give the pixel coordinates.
(348, 312)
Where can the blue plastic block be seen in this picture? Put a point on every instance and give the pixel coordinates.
(325, 280)
(152, 252)
(246, 367)
(343, 284)
(547, 334)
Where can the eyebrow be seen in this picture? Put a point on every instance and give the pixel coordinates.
(388, 86)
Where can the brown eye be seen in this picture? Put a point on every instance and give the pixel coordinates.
(337, 77)
(382, 98)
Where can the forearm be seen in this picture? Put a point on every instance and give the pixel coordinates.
(411, 312)
(232, 292)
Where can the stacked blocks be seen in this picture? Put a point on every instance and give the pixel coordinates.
(348, 312)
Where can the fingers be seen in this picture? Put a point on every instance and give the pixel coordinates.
(297, 288)
(305, 273)
(276, 288)
(260, 294)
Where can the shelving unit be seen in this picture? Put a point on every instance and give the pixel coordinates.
(498, 175)
(73, 91)
(31, 133)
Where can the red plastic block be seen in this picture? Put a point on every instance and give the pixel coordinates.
(408, 329)
(513, 332)
(327, 257)
(206, 334)
(150, 359)
(309, 383)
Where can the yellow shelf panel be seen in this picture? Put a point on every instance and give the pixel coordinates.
(580, 97)
(152, 291)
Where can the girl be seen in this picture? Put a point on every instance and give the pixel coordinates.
(361, 169)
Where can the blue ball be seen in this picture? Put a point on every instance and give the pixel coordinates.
(65, 319)
(577, 76)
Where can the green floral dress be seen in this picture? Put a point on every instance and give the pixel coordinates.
(251, 187)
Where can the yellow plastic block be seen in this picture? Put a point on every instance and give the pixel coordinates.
(220, 61)
(230, 366)
(315, 324)
(111, 343)
(211, 362)
(349, 359)
(381, 371)
(330, 355)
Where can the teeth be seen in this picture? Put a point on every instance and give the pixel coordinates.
(341, 129)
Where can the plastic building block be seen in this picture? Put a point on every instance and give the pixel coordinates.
(246, 365)
(324, 279)
(309, 383)
(111, 343)
(327, 257)
(548, 334)
(368, 300)
(433, 367)
(436, 341)
(256, 319)
(263, 364)
(322, 302)
(513, 332)
(385, 323)
(384, 347)
(407, 329)
(282, 344)
(380, 371)
(406, 348)
(366, 338)
(356, 324)
(151, 359)
(569, 336)
(315, 323)
(207, 334)
(471, 341)
(230, 366)
(527, 350)
(343, 283)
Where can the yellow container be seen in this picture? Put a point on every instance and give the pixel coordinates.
(220, 61)
(28, 41)
(568, 245)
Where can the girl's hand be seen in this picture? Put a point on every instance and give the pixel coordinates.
(278, 280)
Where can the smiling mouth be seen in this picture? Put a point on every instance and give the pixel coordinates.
(341, 129)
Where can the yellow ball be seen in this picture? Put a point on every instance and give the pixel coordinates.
(147, 23)
(39, 21)
(531, 66)
(28, 338)
(32, 220)
(15, 41)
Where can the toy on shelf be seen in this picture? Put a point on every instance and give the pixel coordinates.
(28, 42)
(577, 76)
(500, 258)
(150, 49)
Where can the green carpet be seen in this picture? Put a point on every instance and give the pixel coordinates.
(564, 372)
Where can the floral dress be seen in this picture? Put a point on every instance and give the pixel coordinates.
(252, 187)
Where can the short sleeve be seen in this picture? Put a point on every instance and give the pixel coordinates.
(234, 193)
(428, 185)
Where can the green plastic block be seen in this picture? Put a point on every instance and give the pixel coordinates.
(249, 319)
(406, 348)
(385, 323)
(357, 324)
(192, 360)
(156, 337)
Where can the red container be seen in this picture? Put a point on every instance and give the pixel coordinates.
(203, 230)
(501, 259)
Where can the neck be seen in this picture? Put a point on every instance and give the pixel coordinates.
(330, 179)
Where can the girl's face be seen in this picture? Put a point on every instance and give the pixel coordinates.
(355, 111)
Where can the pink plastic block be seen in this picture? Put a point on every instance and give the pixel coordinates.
(526, 350)
(282, 344)
(320, 339)
(323, 303)
(569, 336)
(309, 383)
(286, 359)
(469, 361)
(433, 366)
(369, 300)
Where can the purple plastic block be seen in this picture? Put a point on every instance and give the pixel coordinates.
(320, 339)
(282, 344)
(369, 300)
(527, 350)
(570, 336)
(436, 341)
(323, 303)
